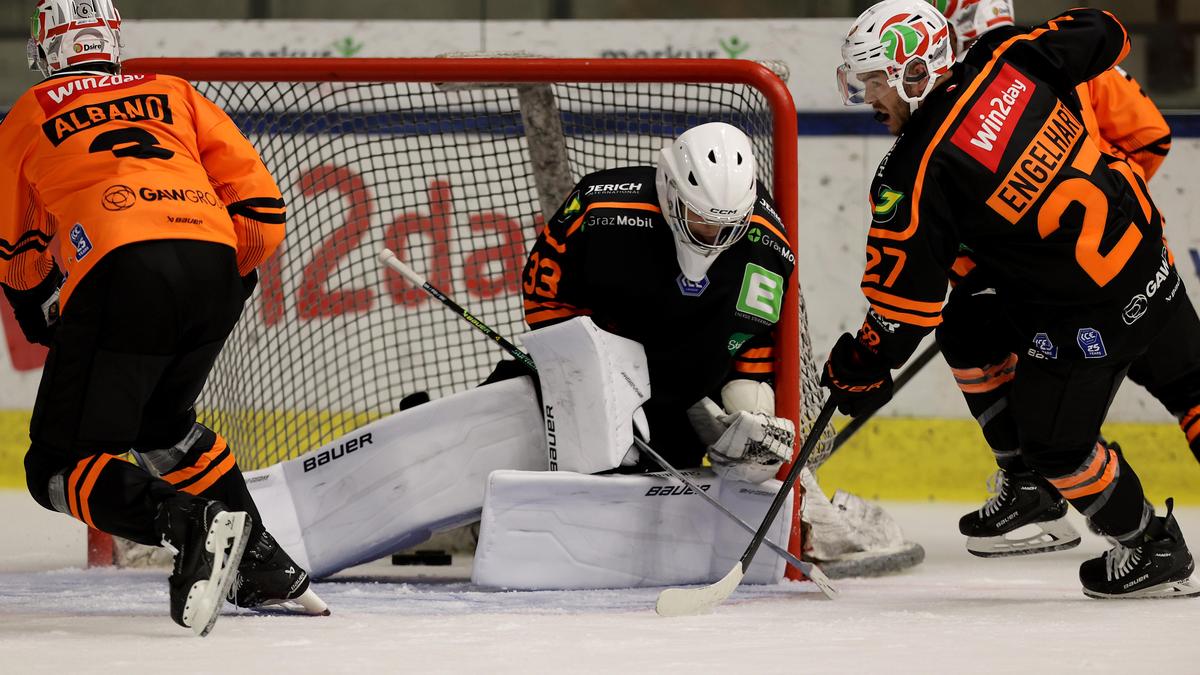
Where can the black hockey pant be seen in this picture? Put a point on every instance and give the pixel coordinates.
(977, 344)
(136, 342)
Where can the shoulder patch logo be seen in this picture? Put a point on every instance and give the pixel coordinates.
(762, 293)
(754, 235)
(883, 207)
(574, 207)
(81, 242)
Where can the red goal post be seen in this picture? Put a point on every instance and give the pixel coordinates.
(634, 80)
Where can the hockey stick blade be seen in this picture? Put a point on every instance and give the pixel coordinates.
(808, 569)
(684, 601)
(703, 600)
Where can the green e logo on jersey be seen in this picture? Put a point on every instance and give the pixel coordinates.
(762, 293)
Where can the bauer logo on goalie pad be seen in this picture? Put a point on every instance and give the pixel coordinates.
(672, 490)
(761, 296)
(327, 455)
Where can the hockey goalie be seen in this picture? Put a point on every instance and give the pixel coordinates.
(653, 294)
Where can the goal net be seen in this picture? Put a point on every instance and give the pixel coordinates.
(453, 163)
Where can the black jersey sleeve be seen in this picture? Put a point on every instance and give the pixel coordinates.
(1078, 45)
(551, 283)
(911, 247)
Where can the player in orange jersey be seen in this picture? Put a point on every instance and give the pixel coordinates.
(136, 214)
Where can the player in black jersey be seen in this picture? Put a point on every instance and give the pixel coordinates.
(1125, 123)
(993, 157)
(691, 260)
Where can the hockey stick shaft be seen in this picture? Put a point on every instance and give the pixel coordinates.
(814, 436)
(389, 258)
(902, 379)
(787, 555)
(692, 601)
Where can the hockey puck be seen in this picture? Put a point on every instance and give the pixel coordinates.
(434, 558)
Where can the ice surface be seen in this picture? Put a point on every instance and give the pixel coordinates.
(953, 614)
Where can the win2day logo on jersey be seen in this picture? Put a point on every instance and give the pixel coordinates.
(987, 128)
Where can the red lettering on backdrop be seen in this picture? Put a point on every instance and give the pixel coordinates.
(314, 300)
(509, 255)
(435, 228)
(274, 305)
(23, 354)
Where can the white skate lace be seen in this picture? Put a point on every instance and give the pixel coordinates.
(1120, 561)
(996, 484)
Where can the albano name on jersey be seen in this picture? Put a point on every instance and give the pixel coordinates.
(609, 253)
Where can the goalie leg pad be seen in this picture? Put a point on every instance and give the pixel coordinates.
(396, 481)
(561, 531)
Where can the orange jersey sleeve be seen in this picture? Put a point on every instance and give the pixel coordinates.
(242, 182)
(93, 162)
(1119, 114)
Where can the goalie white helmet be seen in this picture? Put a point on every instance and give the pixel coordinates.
(907, 40)
(706, 188)
(969, 19)
(70, 32)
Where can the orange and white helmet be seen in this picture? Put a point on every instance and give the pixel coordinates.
(972, 18)
(908, 40)
(70, 32)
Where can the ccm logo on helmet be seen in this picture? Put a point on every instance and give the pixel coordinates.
(723, 212)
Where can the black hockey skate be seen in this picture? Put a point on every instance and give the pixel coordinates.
(268, 576)
(1159, 567)
(1019, 499)
(208, 542)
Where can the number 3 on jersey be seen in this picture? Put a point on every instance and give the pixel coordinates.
(130, 142)
(542, 277)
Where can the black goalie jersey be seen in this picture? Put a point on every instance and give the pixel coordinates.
(997, 161)
(608, 253)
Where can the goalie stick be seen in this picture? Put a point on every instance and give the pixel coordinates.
(814, 573)
(690, 601)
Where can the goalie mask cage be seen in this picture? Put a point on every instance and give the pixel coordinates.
(453, 163)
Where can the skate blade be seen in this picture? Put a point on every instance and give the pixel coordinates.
(307, 604)
(1055, 535)
(227, 539)
(1184, 588)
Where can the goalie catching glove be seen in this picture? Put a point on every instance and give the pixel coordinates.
(742, 445)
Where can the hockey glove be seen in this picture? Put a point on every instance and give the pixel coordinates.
(859, 380)
(36, 309)
(753, 446)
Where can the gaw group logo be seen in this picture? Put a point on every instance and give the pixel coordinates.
(762, 293)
